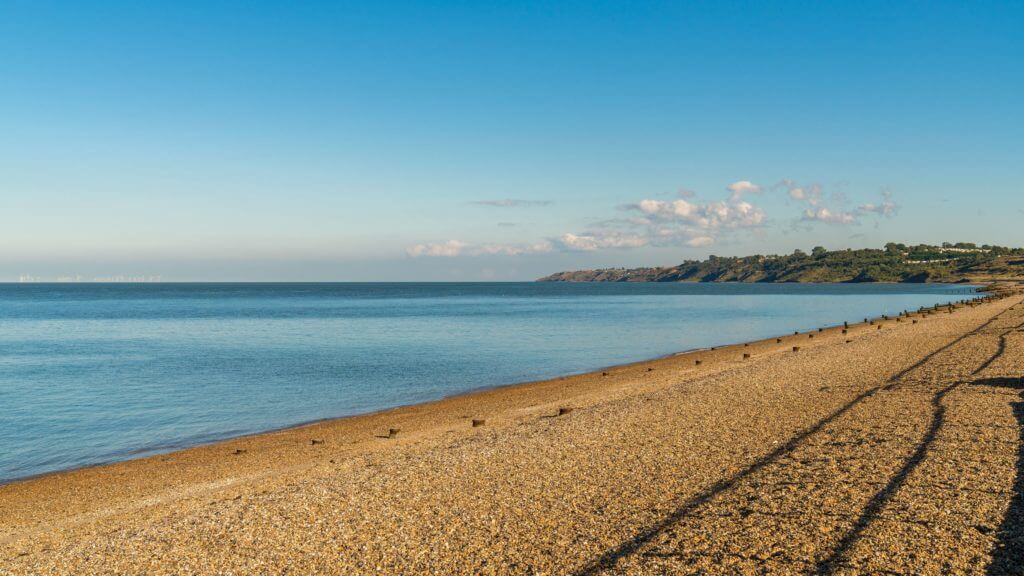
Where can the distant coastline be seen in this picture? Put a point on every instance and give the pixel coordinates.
(960, 263)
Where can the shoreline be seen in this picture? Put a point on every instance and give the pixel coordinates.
(147, 452)
(80, 517)
(153, 452)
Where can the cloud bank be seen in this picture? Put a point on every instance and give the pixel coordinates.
(684, 221)
(820, 209)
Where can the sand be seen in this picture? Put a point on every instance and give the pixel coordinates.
(893, 450)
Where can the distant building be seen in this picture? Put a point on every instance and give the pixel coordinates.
(963, 250)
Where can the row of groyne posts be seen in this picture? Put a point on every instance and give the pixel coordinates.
(478, 422)
(921, 313)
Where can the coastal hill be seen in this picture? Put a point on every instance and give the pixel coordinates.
(960, 262)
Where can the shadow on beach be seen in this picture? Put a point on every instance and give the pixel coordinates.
(1008, 555)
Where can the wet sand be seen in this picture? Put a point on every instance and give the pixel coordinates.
(895, 449)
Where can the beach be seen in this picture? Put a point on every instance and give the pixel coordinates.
(893, 447)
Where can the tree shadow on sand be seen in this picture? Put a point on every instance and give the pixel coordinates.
(1008, 555)
(1012, 542)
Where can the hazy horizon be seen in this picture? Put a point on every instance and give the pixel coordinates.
(258, 268)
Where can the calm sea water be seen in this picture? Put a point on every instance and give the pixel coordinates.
(103, 372)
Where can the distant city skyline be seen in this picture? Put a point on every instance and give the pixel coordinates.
(492, 141)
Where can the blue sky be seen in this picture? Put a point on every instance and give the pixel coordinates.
(497, 140)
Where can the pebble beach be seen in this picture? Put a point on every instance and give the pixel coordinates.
(891, 446)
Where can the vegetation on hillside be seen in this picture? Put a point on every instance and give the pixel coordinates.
(960, 262)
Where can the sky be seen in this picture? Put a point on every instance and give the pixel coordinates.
(463, 141)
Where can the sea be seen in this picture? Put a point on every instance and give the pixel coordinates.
(96, 373)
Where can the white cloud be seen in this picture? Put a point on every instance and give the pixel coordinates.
(680, 222)
(886, 207)
(742, 187)
(820, 211)
(822, 214)
(599, 240)
(710, 216)
(809, 194)
(453, 248)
